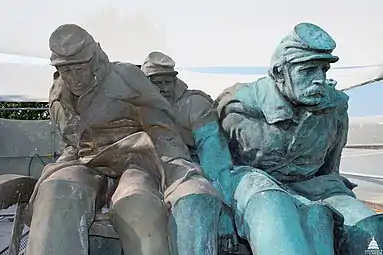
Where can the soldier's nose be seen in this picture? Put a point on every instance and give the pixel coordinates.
(317, 82)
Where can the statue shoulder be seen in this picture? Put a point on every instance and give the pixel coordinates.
(56, 89)
(195, 105)
(126, 67)
(196, 97)
(342, 101)
(231, 91)
(229, 98)
(342, 108)
(125, 64)
(343, 98)
(141, 90)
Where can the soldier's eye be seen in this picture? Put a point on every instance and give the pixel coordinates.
(310, 70)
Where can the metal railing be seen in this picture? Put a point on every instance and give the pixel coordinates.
(23, 245)
(24, 109)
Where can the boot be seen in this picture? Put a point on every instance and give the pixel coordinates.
(194, 225)
(365, 237)
(63, 212)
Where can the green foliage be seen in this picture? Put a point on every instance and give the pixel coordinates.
(24, 114)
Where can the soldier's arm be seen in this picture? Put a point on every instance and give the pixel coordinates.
(230, 112)
(333, 156)
(143, 93)
(59, 120)
(212, 147)
(241, 123)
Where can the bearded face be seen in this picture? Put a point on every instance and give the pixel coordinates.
(305, 83)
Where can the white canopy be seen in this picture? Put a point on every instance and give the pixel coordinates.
(195, 33)
(31, 82)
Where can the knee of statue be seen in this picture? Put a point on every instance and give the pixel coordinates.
(272, 197)
(200, 202)
(319, 212)
(195, 192)
(365, 237)
(270, 202)
(140, 199)
(61, 189)
(196, 209)
(139, 215)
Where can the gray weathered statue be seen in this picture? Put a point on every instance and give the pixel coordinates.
(289, 129)
(197, 119)
(116, 124)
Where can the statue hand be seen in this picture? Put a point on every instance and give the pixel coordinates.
(69, 154)
(227, 237)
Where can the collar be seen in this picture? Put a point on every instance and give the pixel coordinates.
(179, 89)
(273, 105)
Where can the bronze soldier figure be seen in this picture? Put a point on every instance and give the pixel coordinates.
(198, 124)
(116, 124)
(290, 128)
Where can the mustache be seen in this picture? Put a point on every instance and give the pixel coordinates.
(318, 88)
(314, 90)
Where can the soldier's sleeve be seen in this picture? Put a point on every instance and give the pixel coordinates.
(333, 156)
(55, 109)
(230, 111)
(200, 110)
(143, 91)
(212, 147)
(59, 119)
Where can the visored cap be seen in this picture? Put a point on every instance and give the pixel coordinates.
(158, 63)
(306, 42)
(70, 44)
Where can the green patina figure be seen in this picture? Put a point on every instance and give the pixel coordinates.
(287, 131)
(116, 125)
(198, 124)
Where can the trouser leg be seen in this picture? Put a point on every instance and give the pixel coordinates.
(318, 226)
(63, 212)
(267, 216)
(352, 209)
(194, 218)
(361, 224)
(272, 225)
(365, 237)
(139, 214)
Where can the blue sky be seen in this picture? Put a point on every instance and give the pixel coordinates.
(366, 100)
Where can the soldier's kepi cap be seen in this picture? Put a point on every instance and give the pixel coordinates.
(158, 63)
(70, 44)
(306, 42)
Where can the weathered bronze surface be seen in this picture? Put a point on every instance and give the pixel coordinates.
(116, 125)
(288, 130)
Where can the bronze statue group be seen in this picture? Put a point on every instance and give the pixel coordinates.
(194, 175)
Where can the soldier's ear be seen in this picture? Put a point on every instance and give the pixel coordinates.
(56, 74)
(278, 74)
